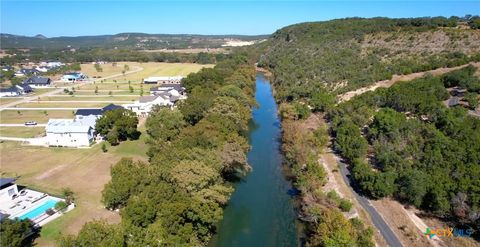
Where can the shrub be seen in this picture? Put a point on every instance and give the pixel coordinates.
(61, 205)
(345, 205)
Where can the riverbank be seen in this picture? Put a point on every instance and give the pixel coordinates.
(261, 211)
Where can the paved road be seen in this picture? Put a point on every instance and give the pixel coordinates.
(377, 219)
(59, 90)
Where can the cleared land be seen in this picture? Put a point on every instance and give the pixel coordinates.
(22, 132)
(85, 171)
(33, 115)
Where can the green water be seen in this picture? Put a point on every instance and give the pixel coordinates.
(261, 212)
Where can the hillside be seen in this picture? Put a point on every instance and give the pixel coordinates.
(123, 40)
(345, 54)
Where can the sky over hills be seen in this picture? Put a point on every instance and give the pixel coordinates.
(76, 18)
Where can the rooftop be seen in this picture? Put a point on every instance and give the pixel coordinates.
(6, 181)
(82, 125)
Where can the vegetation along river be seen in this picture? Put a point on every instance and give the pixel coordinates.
(261, 211)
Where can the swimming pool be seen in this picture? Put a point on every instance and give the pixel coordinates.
(39, 210)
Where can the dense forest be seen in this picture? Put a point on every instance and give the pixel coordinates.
(341, 55)
(404, 142)
(195, 151)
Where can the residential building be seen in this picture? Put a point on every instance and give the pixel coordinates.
(51, 64)
(167, 87)
(73, 77)
(37, 82)
(97, 112)
(8, 188)
(42, 69)
(71, 132)
(454, 101)
(145, 104)
(163, 79)
(15, 91)
(25, 72)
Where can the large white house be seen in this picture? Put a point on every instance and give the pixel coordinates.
(38, 82)
(145, 104)
(8, 188)
(162, 79)
(73, 77)
(14, 91)
(79, 132)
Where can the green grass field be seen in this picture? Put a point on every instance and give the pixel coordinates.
(85, 171)
(102, 98)
(22, 132)
(161, 69)
(8, 100)
(116, 86)
(32, 115)
(61, 105)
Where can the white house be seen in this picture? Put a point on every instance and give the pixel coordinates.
(145, 104)
(14, 91)
(51, 64)
(73, 77)
(8, 188)
(163, 79)
(37, 82)
(79, 132)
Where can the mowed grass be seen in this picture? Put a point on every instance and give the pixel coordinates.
(12, 116)
(85, 171)
(47, 104)
(8, 100)
(117, 86)
(100, 98)
(22, 132)
(161, 69)
(105, 92)
(107, 69)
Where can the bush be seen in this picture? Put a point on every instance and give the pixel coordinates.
(61, 205)
(104, 147)
(345, 205)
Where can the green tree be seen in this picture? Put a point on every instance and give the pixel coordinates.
(16, 233)
(118, 125)
(164, 124)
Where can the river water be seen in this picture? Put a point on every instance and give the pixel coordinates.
(260, 211)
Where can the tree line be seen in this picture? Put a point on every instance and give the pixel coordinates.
(405, 143)
(177, 198)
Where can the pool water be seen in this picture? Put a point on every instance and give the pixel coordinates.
(39, 210)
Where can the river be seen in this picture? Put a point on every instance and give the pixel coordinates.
(260, 211)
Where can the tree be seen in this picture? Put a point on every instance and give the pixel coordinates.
(472, 100)
(96, 233)
(68, 195)
(118, 125)
(104, 147)
(164, 124)
(126, 178)
(130, 88)
(96, 89)
(16, 233)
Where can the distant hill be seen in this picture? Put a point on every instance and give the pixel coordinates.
(345, 54)
(124, 40)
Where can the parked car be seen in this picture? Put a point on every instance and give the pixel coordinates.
(30, 123)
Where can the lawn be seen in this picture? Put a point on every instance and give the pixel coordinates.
(95, 98)
(22, 132)
(105, 92)
(8, 100)
(85, 171)
(117, 86)
(11, 116)
(107, 69)
(161, 69)
(47, 104)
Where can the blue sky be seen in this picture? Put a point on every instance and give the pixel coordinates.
(74, 18)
